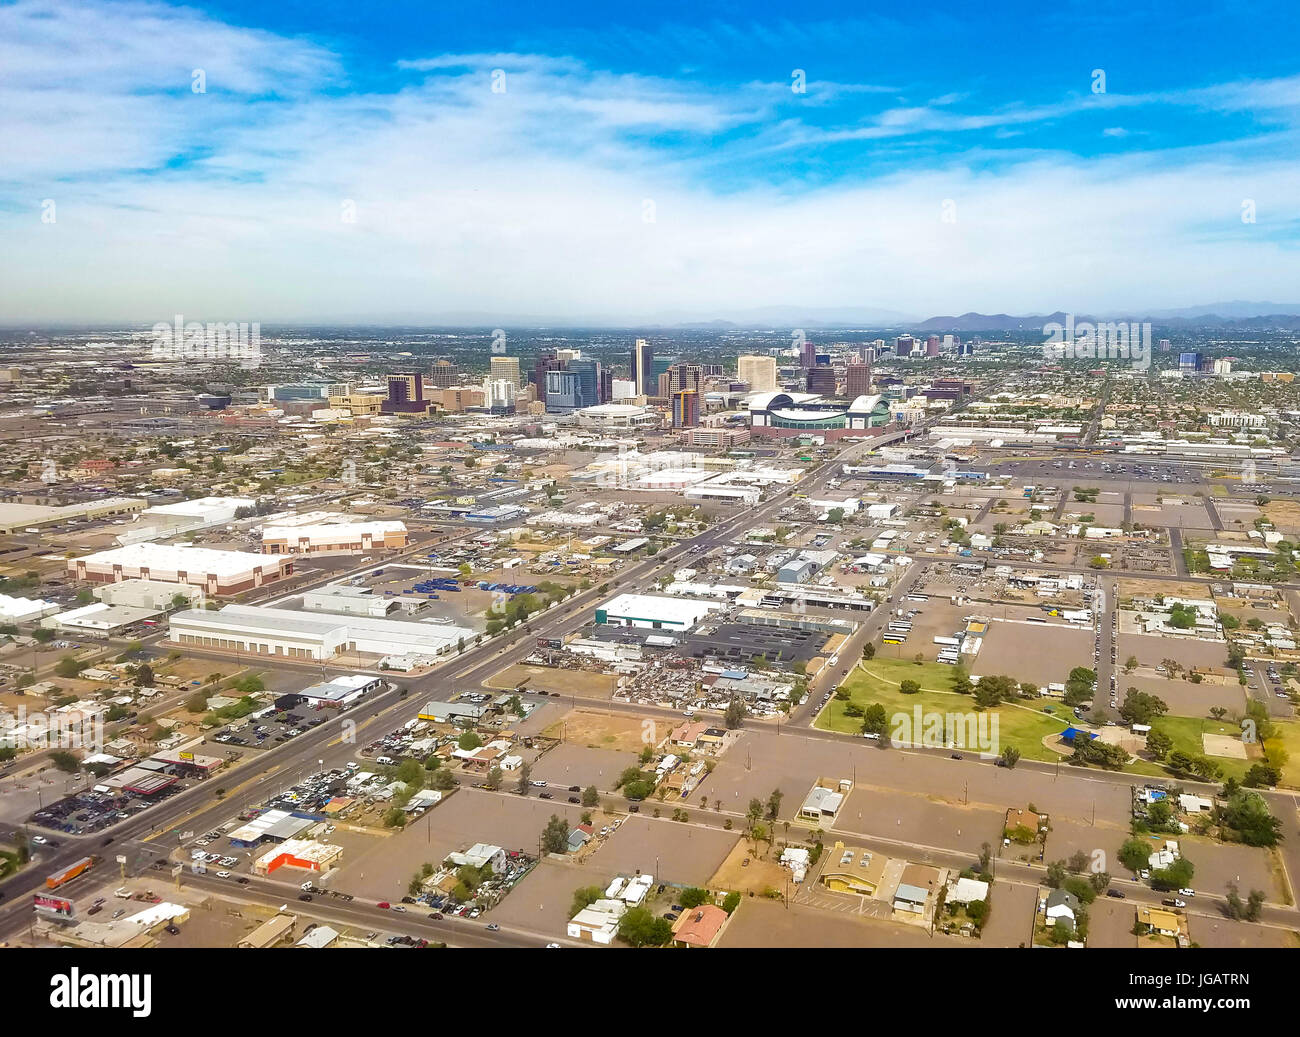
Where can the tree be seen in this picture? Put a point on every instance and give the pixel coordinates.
(1010, 756)
(197, 703)
(1159, 744)
(735, 714)
(1177, 876)
(1130, 664)
(584, 897)
(1056, 871)
(730, 902)
(1234, 907)
(693, 896)
(469, 741)
(1139, 707)
(409, 772)
(444, 780)
(874, 719)
(555, 836)
(909, 687)
(395, 817)
(69, 667)
(493, 780)
(639, 928)
(144, 676)
(1135, 854)
(1245, 817)
(65, 761)
(590, 796)
(869, 651)
(525, 774)
(774, 805)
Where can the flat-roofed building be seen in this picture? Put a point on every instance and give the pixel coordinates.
(334, 538)
(307, 854)
(15, 518)
(271, 932)
(158, 595)
(654, 611)
(303, 635)
(217, 572)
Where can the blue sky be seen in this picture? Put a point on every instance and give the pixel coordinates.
(642, 162)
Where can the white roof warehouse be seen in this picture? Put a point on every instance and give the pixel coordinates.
(219, 572)
(655, 611)
(305, 635)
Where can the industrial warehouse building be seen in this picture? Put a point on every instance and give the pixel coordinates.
(653, 611)
(344, 599)
(157, 595)
(334, 538)
(217, 572)
(302, 635)
(15, 518)
(23, 610)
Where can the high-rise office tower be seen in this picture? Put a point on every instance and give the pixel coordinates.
(807, 355)
(686, 408)
(545, 362)
(642, 367)
(932, 346)
(444, 373)
(405, 394)
(504, 369)
(563, 394)
(821, 379)
(857, 380)
(685, 376)
(903, 345)
(758, 372)
(588, 373)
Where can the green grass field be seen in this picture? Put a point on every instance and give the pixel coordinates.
(1024, 727)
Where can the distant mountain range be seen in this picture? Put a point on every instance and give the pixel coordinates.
(1239, 315)
(1234, 315)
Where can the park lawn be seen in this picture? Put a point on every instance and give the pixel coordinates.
(1185, 733)
(1289, 732)
(878, 681)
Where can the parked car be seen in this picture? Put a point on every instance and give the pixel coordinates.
(1117, 894)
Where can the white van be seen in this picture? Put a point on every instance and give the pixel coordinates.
(385, 761)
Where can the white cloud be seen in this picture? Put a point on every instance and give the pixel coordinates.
(532, 201)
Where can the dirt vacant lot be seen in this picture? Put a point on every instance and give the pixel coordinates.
(582, 683)
(603, 731)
